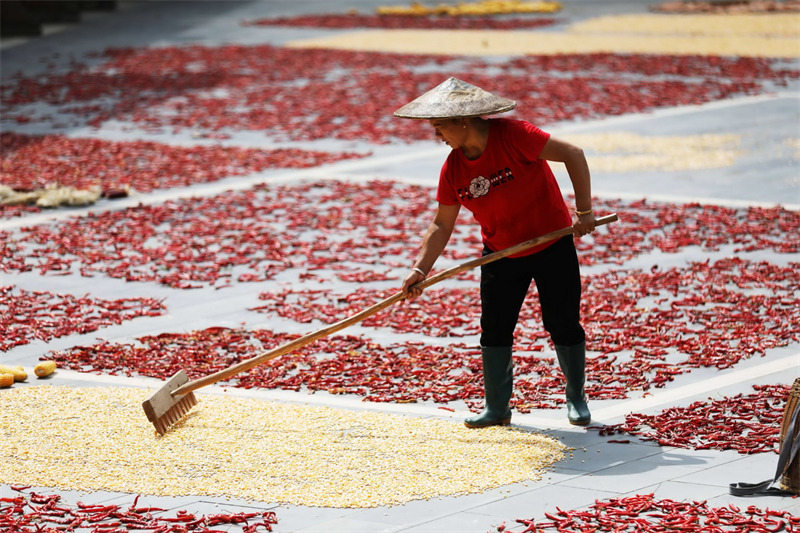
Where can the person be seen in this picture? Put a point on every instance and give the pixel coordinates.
(498, 170)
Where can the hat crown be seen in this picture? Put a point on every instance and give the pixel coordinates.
(455, 98)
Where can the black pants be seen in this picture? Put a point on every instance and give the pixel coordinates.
(505, 283)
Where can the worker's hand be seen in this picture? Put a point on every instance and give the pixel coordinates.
(584, 225)
(412, 278)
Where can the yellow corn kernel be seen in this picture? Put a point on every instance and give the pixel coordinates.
(17, 371)
(292, 453)
(44, 369)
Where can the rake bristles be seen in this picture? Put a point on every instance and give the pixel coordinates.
(165, 410)
(175, 413)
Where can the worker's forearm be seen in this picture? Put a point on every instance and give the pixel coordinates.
(578, 171)
(433, 245)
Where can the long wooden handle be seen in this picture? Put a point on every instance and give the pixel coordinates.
(383, 304)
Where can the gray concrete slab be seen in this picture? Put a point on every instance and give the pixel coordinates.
(765, 173)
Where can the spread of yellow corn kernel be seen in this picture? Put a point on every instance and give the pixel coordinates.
(626, 152)
(784, 25)
(98, 438)
(767, 35)
(485, 7)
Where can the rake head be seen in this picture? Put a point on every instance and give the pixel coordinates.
(165, 410)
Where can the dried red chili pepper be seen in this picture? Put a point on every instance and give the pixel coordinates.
(32, 162)
(645, 514)
(28, 315)
(745, 423)
(355, 20)
(36, 512)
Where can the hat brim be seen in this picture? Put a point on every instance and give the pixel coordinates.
(455, 98)
(403, 112)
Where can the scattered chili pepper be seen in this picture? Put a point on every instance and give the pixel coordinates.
(745, 423)
(653, 345)
(213, 90)
(197, 242)
(747, 308)
(645, 514)
(33, 512)
(29, 315)
(32, 162)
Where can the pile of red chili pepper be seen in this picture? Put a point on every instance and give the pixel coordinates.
(31, 512)
(351, 95)
(747, 423)
(646, 514)
(255, 234)
(30, 162)
(405, 22)
(28, 315)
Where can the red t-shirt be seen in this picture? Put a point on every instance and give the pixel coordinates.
(510, 191)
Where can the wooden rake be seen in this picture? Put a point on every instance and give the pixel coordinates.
(171, 402)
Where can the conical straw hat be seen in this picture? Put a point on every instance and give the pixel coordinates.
(455, 98)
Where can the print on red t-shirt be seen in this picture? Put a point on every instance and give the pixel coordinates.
(512, 193)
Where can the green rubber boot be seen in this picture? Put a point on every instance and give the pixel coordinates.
(573, 364)
(497, 384)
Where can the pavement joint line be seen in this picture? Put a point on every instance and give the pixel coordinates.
(667, 397)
